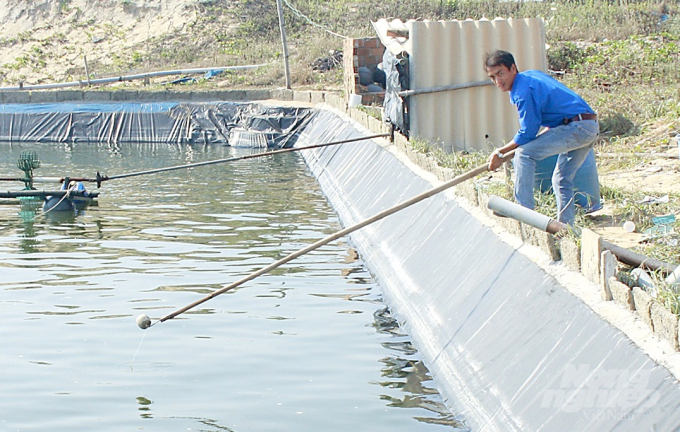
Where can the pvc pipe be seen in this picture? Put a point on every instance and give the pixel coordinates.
(643, 279)
(47, 179)
(542, 222)
(674, 278)
(126, 78)
(415, 92)
(516, 211)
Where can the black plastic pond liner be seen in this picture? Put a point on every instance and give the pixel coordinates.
(396, 80)
(154, 122)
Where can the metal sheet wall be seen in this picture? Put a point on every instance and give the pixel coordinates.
(444, 53)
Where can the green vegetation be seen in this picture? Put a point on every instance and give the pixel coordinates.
(668, 297)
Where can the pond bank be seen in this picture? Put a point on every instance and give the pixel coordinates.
(512, 343)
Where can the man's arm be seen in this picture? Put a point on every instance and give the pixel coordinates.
(530, 119)
(496, 158)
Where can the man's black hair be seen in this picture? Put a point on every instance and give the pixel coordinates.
(498, 58)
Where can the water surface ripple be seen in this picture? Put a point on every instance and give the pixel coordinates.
(309, 347)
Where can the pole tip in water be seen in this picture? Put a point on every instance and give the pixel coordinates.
(143, 321)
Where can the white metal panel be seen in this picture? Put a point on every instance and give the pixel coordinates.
(388, 32)
(444, 53)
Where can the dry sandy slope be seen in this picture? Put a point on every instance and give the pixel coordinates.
(658, 177)
(46, 40)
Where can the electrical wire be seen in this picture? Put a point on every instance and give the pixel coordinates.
(303, 16)
(69, 189)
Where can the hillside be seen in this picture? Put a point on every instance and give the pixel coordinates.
(47, 41)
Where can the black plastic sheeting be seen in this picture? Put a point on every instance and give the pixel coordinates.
(396, 80)
(158, 122)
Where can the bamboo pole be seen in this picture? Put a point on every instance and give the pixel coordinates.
(87, 71)
(416, 199)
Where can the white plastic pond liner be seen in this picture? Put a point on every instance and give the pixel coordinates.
(509, 348)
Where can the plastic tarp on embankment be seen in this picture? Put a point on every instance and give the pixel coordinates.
(153, 122)
(509, 348)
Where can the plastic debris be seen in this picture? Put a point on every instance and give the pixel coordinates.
(629, 226)
(212, 73)
(644, 280)
(663, 226)
(184, 80)
(654, 200)
(668, 219)
(324, 64)
(674, 278)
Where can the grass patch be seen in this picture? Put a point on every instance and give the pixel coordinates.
(459, 162)
(668, 297)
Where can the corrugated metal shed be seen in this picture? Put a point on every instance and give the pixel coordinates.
(444, 53)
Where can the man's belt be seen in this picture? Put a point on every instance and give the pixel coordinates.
(580, 117)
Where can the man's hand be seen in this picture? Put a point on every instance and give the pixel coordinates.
(496, 158)
(495, 161)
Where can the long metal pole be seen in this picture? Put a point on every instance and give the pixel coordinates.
(416, 199)
(44, 193)
(283, 41)
(415, 92)
(127, 78)
(101, 178)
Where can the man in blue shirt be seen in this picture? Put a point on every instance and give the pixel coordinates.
(542, 101)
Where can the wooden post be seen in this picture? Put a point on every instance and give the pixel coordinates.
(285, 44)
(87, 71)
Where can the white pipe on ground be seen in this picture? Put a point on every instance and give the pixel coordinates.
(522, 214)
(126, 78)
(674, 278)
(530, 217)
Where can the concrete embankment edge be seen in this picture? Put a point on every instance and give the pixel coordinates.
(508, 346)
(162, 95)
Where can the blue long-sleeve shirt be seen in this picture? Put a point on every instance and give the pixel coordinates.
(542, 101)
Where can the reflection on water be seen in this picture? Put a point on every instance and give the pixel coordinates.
(308, 347)
(405, 371)
(144, 407)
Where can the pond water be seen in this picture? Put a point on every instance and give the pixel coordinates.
(309, 347)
